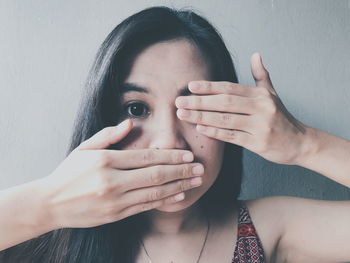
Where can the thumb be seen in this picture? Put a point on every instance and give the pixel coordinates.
(260, 74)
(106, 136)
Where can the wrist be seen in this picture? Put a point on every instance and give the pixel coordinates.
(45, 220)
(310, 146)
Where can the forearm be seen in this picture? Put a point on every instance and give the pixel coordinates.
(23, 214)
(326, 154)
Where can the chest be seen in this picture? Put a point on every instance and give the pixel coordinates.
(219, 247)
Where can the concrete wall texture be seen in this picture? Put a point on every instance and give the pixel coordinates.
(47, 47)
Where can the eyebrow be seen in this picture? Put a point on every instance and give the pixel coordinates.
(127, 87)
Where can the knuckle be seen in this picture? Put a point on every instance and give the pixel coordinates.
(183, 185)
(199, 117)
(197, 101)
(103, 184)
(154, 195)
(226, 119)
(185, 171)
(231, 135)
(228, 100)
(175, 158)
(156, 176)
(149, 157)
(103, 159)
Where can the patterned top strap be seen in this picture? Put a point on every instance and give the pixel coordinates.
(248, 247)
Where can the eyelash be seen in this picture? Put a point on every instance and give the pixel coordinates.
(127, 109)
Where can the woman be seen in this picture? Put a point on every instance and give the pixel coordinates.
(162, 185)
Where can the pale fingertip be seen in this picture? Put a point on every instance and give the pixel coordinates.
(198, 169)
(181, 102)
(124, 124)
(256, 54)
(188, 157)
(256, 58)
(194, 86)
(182, 113)
(179, 197)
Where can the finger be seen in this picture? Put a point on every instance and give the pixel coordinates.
(221, 87)
(106, 136)
(139, 208)
(132, 159)
(158, 175)
(216, 119)
(240, 138)
(150, 194)
(260, 74)
(219, 102)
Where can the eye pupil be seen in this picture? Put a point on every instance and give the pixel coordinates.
(137, 109)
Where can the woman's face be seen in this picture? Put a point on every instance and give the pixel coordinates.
(163, 71)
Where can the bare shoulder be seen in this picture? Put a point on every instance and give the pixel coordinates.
(267, 214)
(280, 220)
(270, 216)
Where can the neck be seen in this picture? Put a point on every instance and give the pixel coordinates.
(174, 223)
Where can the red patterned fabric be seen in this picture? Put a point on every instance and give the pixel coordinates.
(248, 247)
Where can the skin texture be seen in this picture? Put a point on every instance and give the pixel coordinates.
(94, 186)
(250, 116)
(165, 69)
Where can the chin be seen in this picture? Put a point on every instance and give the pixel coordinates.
(174, 207)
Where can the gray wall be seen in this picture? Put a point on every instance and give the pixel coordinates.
(47, 47)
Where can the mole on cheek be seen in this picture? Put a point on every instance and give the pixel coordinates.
(202, 146)
(197, 136)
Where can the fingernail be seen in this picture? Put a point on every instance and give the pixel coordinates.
(183, 113)
(196, 181)
(179, 196)
(193, 86)
(198, 169)
(181, 102)
(123, 125)
(187, 157)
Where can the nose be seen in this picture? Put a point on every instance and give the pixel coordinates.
(167, 132)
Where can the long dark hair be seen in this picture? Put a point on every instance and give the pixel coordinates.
(118, 241)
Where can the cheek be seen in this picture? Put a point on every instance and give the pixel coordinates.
(132, 141)
(206, 146)
(209, 152)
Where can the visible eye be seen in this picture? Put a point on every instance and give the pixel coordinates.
(136, 109)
